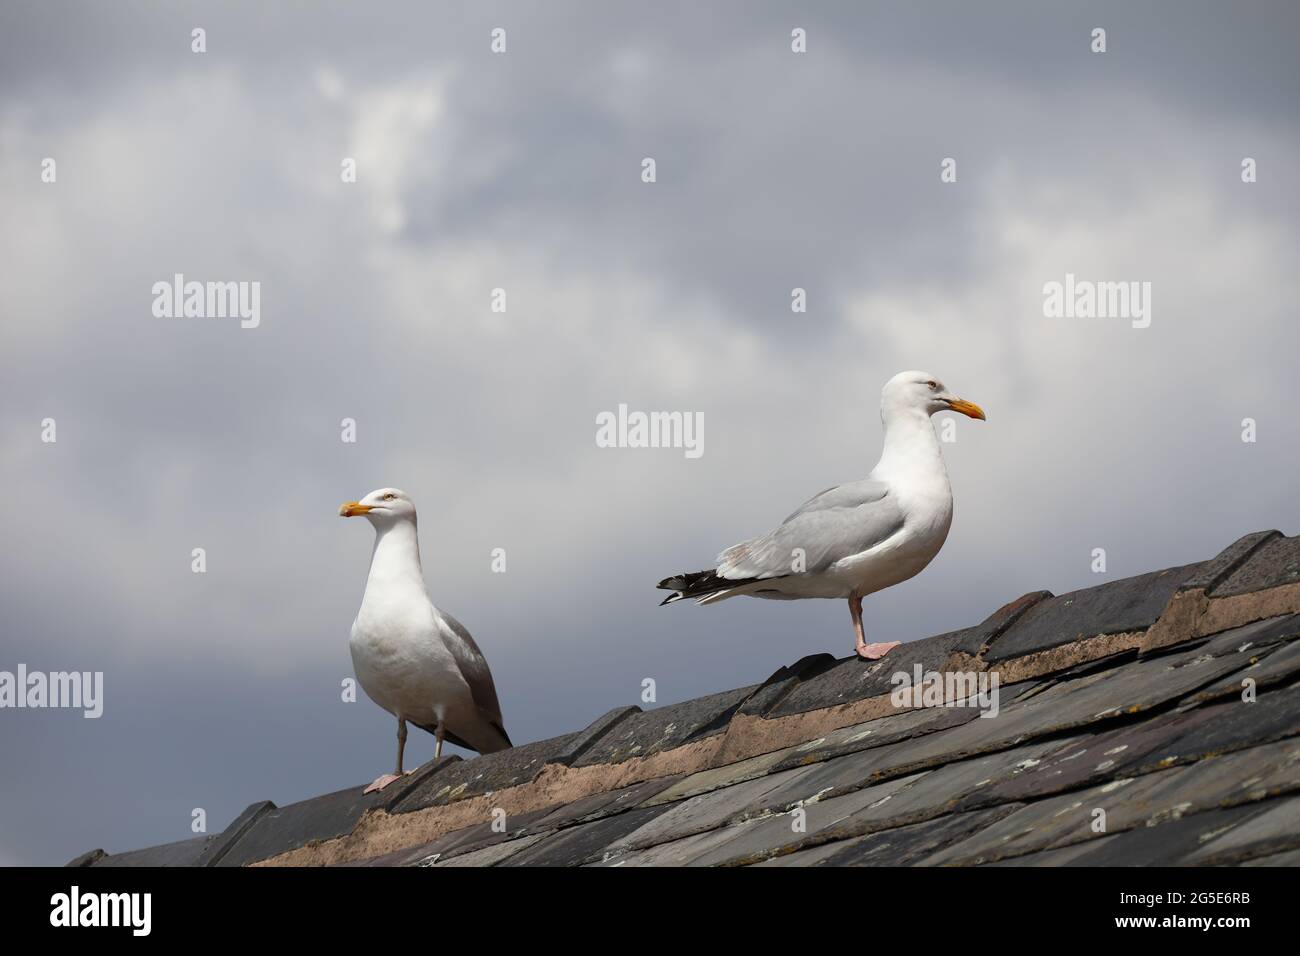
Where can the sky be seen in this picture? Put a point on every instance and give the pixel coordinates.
(522, 170)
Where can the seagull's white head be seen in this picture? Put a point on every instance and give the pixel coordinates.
(921, 391)
(383, 506)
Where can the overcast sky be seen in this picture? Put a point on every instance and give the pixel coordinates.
(522, 171)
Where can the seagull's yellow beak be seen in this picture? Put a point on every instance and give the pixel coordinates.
(354, 508)
(967, 408)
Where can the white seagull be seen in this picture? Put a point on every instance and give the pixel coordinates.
(413, 660)
(858, 538)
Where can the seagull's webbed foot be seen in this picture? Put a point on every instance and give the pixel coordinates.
(381, 782)
(874, 652)
(870, 652)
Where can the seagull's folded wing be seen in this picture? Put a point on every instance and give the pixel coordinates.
(838, 523)
(474, 668)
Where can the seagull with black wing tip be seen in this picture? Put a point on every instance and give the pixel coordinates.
(858, 538)
(412, 659)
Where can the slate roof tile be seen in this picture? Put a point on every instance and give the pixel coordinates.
(786, 832)
(490, 832)
(900, 846)
(1276, 827)
(706, 811)
(285, 828)
(586, 842)
(684, 851)
(483, 774)
(1275, 563)
(608, 802)
(1217, 569)
(1287, 858)
(490, 856)
(851, 680)
(1169, 844)
(1269, 667)
(1130, 604)
(664, 728)
(778, 687)
(180, 853)
(1130, 802)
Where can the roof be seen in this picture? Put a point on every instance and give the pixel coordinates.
(1149, 720)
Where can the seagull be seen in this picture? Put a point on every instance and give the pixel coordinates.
(858, 538)
(412, 659)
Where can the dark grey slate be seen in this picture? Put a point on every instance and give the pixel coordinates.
(903, 846)
(1169, 844)
(1154, 799)
(1276, 563)
(664, 728)
(1288, 858)
(1130, 604)
(850, 772)
(854, 679)
(586, 842)
(582, 741)
(935, 792)
(483, 774)
(940, 790)
(279, 829)
(605, 804)
(1059, 821)
(483, 835)
(407, 856)
(975, 640)
(822, 820)
(264, 830)
(181, 853)
(1275, 828)
(1114, 695)
(89, 858)
(1243, 776)
(895, 731)
(1271, 667)
(1063, 708)
(707, 811)
(681, 852)
(1213, 572)
(777, 687)
(487, 856)
(1091, 760)
(422, 776)
(227, 838)
(1061, 856)
(1273, 630)
(1234, 724)
(715, 778)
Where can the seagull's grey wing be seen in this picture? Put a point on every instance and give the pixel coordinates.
(849, 495)
(840, 522)
(474, 668)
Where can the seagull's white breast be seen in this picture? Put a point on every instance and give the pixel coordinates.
(925, 498)
(402, 662)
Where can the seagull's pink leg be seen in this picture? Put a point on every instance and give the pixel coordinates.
(871, 652)
(437, 736)
(383, 781)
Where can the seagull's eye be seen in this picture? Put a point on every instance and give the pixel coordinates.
(390, 496)
(934, 386)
